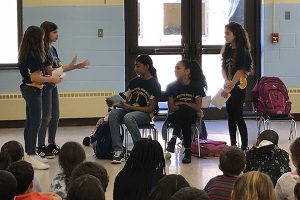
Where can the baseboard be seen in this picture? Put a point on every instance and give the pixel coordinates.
(210, 114)
(62, 122)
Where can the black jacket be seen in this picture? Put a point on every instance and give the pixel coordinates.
(268, 159)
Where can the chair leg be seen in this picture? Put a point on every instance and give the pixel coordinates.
(267, 124)
(259, 121)
(156, 134)
(198, 141)
(295, 127)
(168, 138)
(126, 144)
(293, 130)
(238, 136)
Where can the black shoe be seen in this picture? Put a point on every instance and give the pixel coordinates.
(118, 157)
(86, 141)
(53, 148)
(43, 152)
(171, 145)
(187, 156)
(245, 149)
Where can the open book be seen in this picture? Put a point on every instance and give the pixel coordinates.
(218, 100)
(116, 99)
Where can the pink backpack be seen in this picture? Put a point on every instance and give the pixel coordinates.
(208, 148)
(270, 97)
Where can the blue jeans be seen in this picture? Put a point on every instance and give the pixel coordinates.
(50, 113)
(33, 99)
(131, 120)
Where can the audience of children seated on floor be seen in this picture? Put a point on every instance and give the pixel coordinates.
(144, 178)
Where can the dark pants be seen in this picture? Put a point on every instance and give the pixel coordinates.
(182, 121)
(33, 99)
(50, 113)
(234, 107)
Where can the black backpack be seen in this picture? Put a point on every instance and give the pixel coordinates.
(103, 145)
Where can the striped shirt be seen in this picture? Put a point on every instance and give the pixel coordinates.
(220, 187)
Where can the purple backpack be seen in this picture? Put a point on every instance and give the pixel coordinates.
(270, 97)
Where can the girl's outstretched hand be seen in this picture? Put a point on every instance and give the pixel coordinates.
(83, 64)
(73, 61)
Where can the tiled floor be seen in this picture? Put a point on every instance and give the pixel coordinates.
(197, 173)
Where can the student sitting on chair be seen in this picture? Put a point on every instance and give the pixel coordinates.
(142, 94)
(184, 101)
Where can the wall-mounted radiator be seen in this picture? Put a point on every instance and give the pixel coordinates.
(294, 94)
(72, 105)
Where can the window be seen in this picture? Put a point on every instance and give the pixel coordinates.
(10, 22)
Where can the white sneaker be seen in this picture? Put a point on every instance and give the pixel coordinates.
(36, 164)
(43, 160)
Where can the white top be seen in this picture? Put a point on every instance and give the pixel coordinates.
(284, 188)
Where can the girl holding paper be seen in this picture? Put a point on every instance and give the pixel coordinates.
(32, 66)
(184, 101)
(50, 98)
(237, 62)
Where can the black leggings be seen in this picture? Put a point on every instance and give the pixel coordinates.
(234, 107)
(182, 120)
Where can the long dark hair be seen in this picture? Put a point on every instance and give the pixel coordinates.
(146, 60)
(70, 155)
(48, 27)
(32, 42)
(241, 40)
(196, 72)
(146, 162)
(146, 156)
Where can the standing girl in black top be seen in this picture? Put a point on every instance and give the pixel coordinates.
(236, 64)
(32, 66)
(184, 101)
(50, 97)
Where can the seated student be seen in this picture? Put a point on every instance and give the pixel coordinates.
(86, 187)
(91, 168)
(143, 169)
(267, 157)
(184, 101)
(221, 186)
(167, 186)
(253, 186)
(8, 185)
(142, 95)
(285, 185)
(12, 151)
(190, 193)
(70, 155)
(297, 191)
(23, 172)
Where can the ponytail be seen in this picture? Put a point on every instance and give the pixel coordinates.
(196, 73)
(146, 60)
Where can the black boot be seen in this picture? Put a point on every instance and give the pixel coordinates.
(187, 156)
(171, 145)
